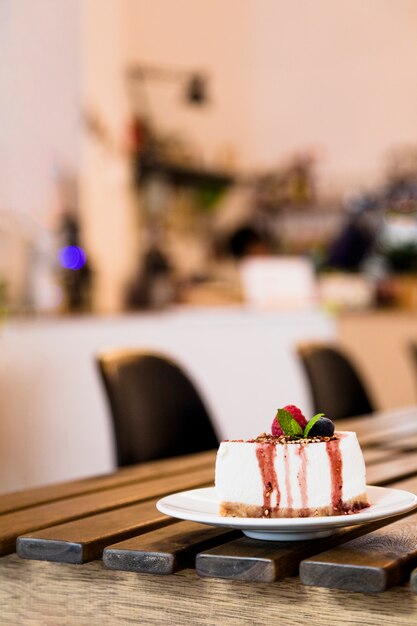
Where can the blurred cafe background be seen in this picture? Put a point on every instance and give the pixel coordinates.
(215, 181)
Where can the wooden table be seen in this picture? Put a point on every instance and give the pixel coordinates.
(97, 551)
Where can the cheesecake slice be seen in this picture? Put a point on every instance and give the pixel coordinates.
(283, 476)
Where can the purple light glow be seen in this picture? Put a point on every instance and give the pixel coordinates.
(72, 257)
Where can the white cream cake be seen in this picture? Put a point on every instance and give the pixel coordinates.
(282, 476)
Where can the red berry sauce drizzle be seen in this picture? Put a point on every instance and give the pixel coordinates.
(302, 481)
(265, 454)
(287, 477)
(335, 459)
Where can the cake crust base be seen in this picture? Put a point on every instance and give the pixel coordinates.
(349, 507)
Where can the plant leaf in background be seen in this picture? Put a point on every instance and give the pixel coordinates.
(289, 425)
(311, 423)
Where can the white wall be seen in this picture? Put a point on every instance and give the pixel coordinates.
(215, 37)
(340, 76)
(106, 191)
(337, 77)
(39, 99)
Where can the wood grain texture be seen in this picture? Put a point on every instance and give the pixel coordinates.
(378, 421)
(370, 564)
(379, 436)
(137, 473)
(36, 593)
(413, 580)
(381, 428)
(85, 539)
(250, 560)
(392, 470)
(404, 444)
(246, 559)
(166, 550)
(269, 561)
(29, 520)
(376, 455)
(46, 593)
(408, 484)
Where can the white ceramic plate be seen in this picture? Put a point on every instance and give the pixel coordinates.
(201, 505)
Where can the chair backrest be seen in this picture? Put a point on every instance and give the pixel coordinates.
(156, 409)
(413, 352)
(336, 387)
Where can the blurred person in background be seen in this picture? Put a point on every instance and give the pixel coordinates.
(357, 238)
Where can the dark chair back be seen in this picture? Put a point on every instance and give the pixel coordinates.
(156, 409)
(413, 352)
(336, 387)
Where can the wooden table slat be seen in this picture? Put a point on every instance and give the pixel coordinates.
(392, 470)
(413, 580)
(376, 455)
(101, 595)
(369, 564)
(57, 540)
(36, 593)
(247, 559)
(269, 561)
(29, 520)
(378, 421)
(85, 539)
(392, 552)
(380, 436)
(166, 550)
(147, 471)
(402, 444)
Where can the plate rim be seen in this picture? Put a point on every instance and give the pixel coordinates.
(294, 524)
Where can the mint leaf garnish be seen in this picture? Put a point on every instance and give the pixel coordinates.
(289, 425)
(311, 423)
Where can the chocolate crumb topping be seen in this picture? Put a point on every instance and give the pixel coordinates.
(285, 439)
